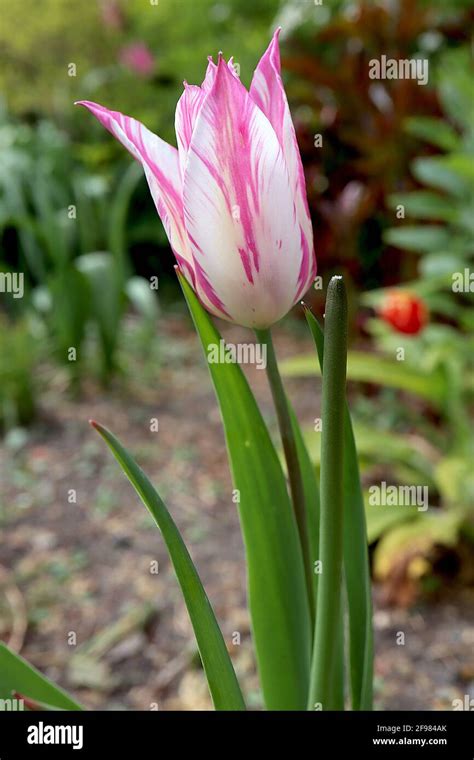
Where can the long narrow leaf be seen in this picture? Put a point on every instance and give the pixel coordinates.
(277, 593)
(311, 495)
(223, 684)
(18, 677)
(312, 501)
(356, 560)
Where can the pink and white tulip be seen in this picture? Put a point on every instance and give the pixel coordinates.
(232, 197)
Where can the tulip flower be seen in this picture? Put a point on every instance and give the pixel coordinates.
(232, 199)
(232, 196)
(405, 312)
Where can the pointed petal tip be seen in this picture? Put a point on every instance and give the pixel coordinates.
(90, 105)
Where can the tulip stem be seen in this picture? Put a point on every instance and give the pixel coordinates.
(291, 456)
(328, 608)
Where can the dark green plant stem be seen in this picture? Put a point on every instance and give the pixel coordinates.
(291, 455)
(328, 611)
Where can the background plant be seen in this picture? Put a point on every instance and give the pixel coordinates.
(66, 232)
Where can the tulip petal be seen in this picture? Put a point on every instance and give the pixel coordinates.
(239, 208)
(268, 93)
(188, 107)
(210, 75)
(161, 166)
(187, 111)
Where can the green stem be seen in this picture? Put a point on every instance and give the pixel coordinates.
(291, 455)
(328, 611)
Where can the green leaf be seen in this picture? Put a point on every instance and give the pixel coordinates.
(18, 676)
(435, 131)
(143, 298)
(277, 592)
(311, 495)
(456, 86)
(441, 264)
(223, 684)
(370, 368)
(118, 213)
(356, 559)
(431, 171)
(418, 238)
(70, 295)
(312, 501)
(423, 204)
(376, 446)
(107, 299)
(380, 519)
(328, 641)
(462, 165)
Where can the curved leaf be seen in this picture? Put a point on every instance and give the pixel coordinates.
(223, 684)
(18, 677)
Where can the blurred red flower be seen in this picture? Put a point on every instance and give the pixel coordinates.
(404, 311)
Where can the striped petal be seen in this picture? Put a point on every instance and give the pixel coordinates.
(210, 75)
(161, 166)
(188, 107)
(268, 93)
(187, 111)
(239, 209)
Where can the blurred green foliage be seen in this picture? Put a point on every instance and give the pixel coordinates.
(366, 152)
(68, 233)
(441, 215)
(428, 440)
(19, 386)
(75, 212)
(180, 35)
